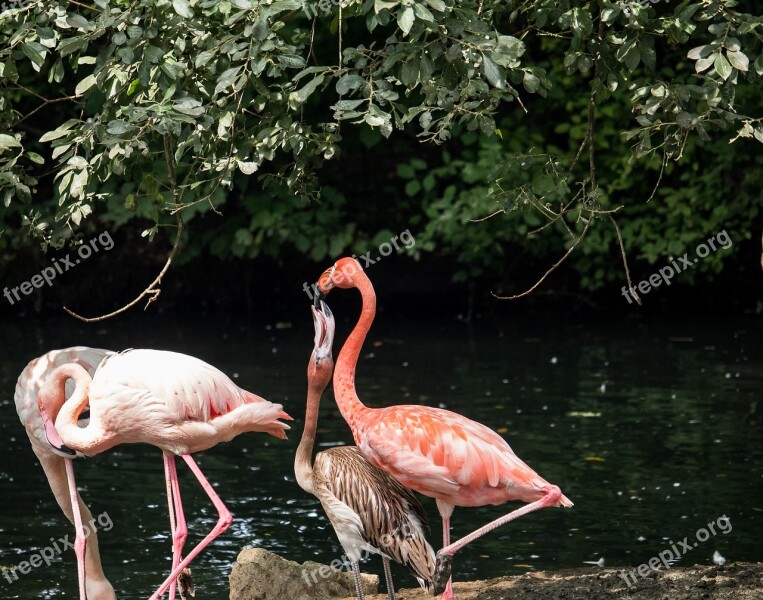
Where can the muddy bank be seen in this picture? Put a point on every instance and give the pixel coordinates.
(738, 581)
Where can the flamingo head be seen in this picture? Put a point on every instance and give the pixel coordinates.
(49, 408)
(321, 362)
(342, 275)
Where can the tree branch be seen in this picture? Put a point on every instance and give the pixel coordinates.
(552, 269)
(153, 290)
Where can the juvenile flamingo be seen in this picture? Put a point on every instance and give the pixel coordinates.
(57, 464)
(173, 401)
(436, 452)
(367, 508)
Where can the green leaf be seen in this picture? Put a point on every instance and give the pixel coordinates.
(437, 5)
(78, 22)
(347, 82)
(182, 8)
(32, 53)
(739, 60)
(531, 82)
(722, 66)
(8, 141)
(84, 85)
(422, 12)
(493, 73)
(405, 19)
(304, 92)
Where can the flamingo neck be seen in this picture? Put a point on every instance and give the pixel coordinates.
(87, 440)
(344, 375)
(303, 459)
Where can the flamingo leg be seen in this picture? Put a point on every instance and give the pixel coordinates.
(448, 592)
(445, 555)
(388, 577)
(79, 536)
(223, 522)
(177, 518)
(358, 581)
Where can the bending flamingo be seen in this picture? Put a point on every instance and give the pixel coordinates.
(56, 463)
(367, 508)
(436, 452)
(173, 401)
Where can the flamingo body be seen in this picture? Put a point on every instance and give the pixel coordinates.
(439, 453)
(446, 456)
(170, 400)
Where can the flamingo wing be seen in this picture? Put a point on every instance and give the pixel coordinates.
(438, 452)
(190, 388)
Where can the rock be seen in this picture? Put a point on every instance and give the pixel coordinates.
(262, 575)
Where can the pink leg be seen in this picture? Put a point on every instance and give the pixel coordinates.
(445, 555)
(448, 593)
(223, 523)
(179, 529)
(79, 537)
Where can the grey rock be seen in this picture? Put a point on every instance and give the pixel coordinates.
(262, 575)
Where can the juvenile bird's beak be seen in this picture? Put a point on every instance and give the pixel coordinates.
(323, 321)
(318, 299)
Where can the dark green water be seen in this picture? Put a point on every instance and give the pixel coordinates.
(653, 429)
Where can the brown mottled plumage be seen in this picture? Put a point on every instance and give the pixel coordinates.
(393, 519)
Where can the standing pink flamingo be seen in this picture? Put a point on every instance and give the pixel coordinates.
(436, 452)
(173, 401)
(367, 508)
(55, 463)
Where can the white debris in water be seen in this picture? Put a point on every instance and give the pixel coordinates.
(554, 360)
(598, 563)
(718, 559)
(603, 388)
(641, 538)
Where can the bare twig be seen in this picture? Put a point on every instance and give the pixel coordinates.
(153, 290)
(631, 289)
(659, 179)
(567, 254)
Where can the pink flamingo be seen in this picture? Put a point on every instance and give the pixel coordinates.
(57, 464)
(436, 452)
(173, 401)
(367, 508)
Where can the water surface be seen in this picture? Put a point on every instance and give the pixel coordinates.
(653, 429)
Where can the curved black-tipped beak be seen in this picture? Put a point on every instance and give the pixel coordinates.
(318, 298)
(54, 439)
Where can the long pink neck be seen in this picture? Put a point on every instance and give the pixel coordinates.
(87, 440)
(344, 374)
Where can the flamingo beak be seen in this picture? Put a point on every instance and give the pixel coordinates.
(55, 440)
